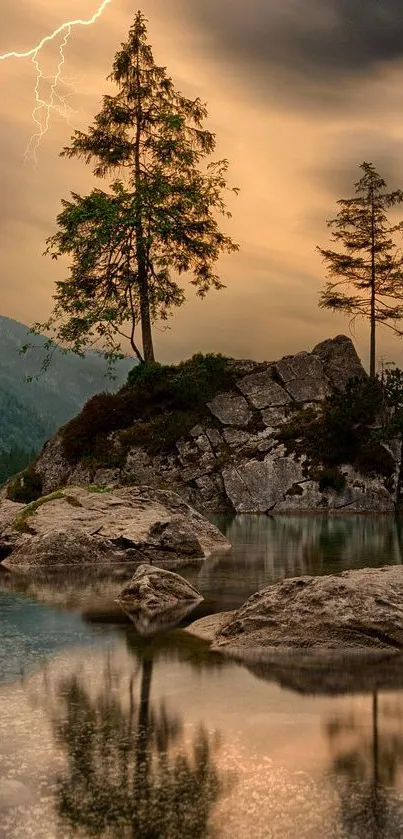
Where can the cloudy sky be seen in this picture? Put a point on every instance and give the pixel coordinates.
(299, 94)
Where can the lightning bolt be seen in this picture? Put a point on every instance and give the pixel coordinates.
(54, 100)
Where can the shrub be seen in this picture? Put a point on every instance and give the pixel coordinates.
(25, 487)
(331, 478)
(342, 432)
(102, 414)
(159, 404)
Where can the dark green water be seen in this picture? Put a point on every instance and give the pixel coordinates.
(104, 734)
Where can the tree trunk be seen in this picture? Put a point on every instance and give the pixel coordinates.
(372, 337)
(142, 272)
(373, 293)
(146, 334)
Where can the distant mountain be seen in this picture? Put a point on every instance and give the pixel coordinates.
(32, 412)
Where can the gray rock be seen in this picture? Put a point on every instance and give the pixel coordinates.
(203, 443)
(127, 524)
(353, 611)
(272, 417)
(188, 451)
(303, 377)
(257, 486)
(361, 494)
(196, 464)
(245, 366)
(215, 438)
(107, 477)
(52, 465)
(235, 437)
(138, 468)
(302, 365)
(262, 391)
(340, 360)
(156, 598)
(230, 409)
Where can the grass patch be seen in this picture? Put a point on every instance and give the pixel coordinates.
(21, 522)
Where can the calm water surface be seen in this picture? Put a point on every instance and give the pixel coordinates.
(104, 734)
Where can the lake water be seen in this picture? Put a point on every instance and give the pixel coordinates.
(107, 735)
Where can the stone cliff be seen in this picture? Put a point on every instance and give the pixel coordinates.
(236, 457)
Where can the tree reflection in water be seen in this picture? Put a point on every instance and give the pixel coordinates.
(368, 762)
(130, 773)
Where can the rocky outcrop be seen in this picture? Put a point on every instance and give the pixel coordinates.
(86, 527)
(233, 461)
(156, 598)
(356, 611)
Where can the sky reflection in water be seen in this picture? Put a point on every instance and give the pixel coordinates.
(104, 734)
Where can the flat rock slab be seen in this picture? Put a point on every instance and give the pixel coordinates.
(156, 598)
(230, 409)
(125, 524)
(262, 391)
(353, 611)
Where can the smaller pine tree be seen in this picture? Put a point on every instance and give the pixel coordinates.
(370, 264)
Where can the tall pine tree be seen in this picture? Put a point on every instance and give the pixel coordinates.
(370, 263)
(130, 245)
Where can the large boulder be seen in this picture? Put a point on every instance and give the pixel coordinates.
(340, 360)
(60, 548)
(130, 524)
(256, 486)
(232, 460)
(356, 611)
(156, 598)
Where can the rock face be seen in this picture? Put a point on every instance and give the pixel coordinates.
(354, 611)
(156, 598)
(233, 461)
(133, 524)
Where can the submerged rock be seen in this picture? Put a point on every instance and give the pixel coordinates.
(130, 524)
(156, 599)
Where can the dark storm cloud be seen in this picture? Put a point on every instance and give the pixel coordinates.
(320, 40)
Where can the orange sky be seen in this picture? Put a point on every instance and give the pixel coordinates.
(296, 109)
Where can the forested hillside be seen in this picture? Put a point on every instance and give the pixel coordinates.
(31, 412)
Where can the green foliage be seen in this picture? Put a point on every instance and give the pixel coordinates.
(14, 461)
(160, 404)
(347, 429)
(160, 433)
(32, 412)
(185, 386)
(392, 382)
(128, 246)
(369, 264)
(331, 478)
(26, 487)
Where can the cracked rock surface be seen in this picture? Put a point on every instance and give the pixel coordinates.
(356, 611)
(232, 461)
(130, 524)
